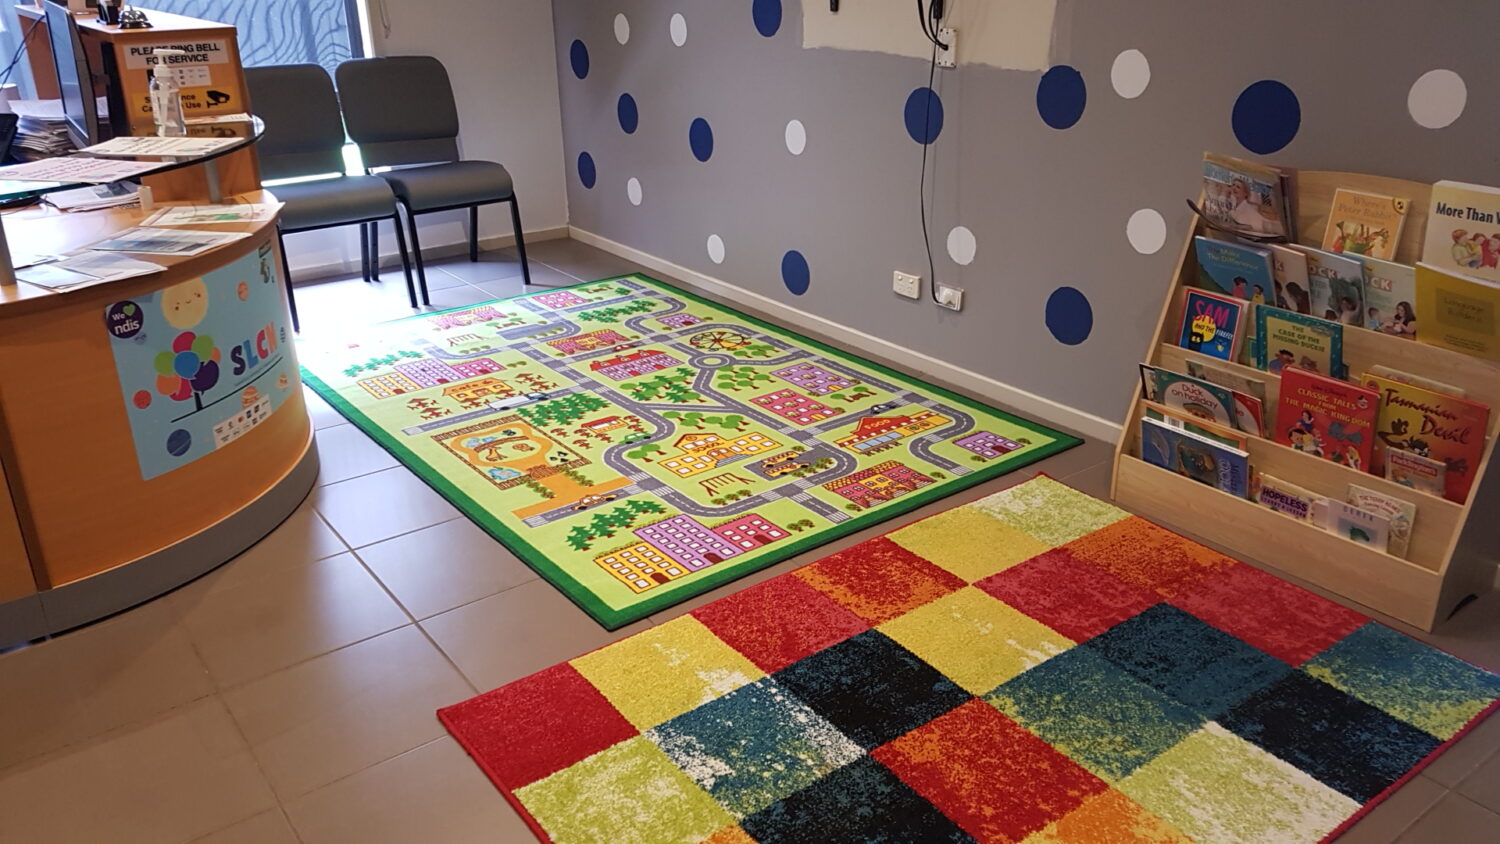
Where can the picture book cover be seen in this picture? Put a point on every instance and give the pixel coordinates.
(1205, 461)
(1288, 498)
(1246, 197)
(1463, 230)
(1410, 378)
(1196, 425)
(1414, 471)
(1290, 283)
(1358, 525)
(1459, 313)
(1362, 223)
(1401, 514)
(1327, 418)
(1195, 397)
(1390, 298)
(1212, 324)
(1433, 425)
(1338, 286)
(1249, 393)
(1292, 339)
(1234, 269)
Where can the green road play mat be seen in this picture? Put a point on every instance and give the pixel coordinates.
(638, 445)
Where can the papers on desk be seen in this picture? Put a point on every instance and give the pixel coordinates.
(237, 117)
(41, 130)
(94, 198)
(197, 215)
(84, 269)
(152, 145)
(180, 242)
(77, 169)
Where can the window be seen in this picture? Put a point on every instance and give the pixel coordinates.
(323, 32)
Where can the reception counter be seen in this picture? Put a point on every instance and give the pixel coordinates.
(150, 428)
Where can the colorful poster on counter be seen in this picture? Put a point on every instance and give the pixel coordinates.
(202, 362)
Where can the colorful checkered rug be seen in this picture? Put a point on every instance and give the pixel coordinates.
(1036, 666)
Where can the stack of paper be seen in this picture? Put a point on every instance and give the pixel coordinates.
(42, 131)
(83, 269)
(94, 198)
(182, 242)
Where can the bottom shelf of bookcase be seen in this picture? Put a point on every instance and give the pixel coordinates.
(1388, 584)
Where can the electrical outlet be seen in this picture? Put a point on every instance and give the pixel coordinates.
(906, 284)
(949, 57)
(951, 298)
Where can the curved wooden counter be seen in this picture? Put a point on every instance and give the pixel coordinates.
(92, 524)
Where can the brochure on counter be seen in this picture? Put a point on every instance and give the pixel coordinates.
(77, 169)
(180, 242)
(186, 147)
(84, 269)
(196, 215)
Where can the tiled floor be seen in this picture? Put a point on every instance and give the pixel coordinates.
(289, 695)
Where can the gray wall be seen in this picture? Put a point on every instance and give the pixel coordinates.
(1048, 207)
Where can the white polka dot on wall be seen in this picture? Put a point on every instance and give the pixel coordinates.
(633, 190)
(1130, 74)
(1147, 231)
(678, 28)
(716, 249)
(796, 137)
(962, 246)
(1437, 98)
(622, 29)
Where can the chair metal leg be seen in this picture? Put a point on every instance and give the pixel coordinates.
(411, 290)
(374, 250)
(286, 272)
(473, 233)
(515, 221)
(416, 248)
(364, 252)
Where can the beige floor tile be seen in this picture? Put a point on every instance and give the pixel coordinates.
(303, 538)
(518, 632)
(286, 616)
(1453, 820)
(492, 265)
(332, 305)
(432, 794)
(459, 296)
(1466, 754)
(582, 262)
(345, 452)
(329, 717)
(82, 684)
(1483, 785)
(322, 413)
(542, 276)
(436, 569)
(179, 777)
(1092, 481)
(1397, 812)
(374, 507)
(269, 827)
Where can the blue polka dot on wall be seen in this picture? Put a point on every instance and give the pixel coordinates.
(701, 139)
(579, 56)
(1070, 318)
(1266, 117)
(1061, 96)
(587, 174)
(924, 115)
(630, 116)
(795, 273)
(767, 14)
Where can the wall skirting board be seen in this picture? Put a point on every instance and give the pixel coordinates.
(392, 259)
(879, 349)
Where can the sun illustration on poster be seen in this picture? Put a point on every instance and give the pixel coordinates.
(186, 304)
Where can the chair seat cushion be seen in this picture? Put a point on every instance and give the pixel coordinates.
(334, 202)
(450, 185)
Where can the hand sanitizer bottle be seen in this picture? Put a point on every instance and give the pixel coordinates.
(166, 97)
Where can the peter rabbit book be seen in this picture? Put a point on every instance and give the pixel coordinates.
(1390, 298)
(1410, 378)
(1433, 425)
(1458, 312)
(1293, 339)
(1338, 286)
(1290, 284)
(1327, 418)
(1414, 471)
(1246, 197)
(1362, 223)
(1463, 230)
(1400, 513)
(1212, 324)
(1203, 460)
(1235, 269)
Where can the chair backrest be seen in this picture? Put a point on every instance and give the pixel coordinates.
(399, 109)
(304, 131)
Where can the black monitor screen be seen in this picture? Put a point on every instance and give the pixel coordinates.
(75, 82)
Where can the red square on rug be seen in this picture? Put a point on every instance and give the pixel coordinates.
(778, 622)
(878, 580)
(995, 779)
(1286, 621)
(536, 726)
(1142, 553)
(1072, 597)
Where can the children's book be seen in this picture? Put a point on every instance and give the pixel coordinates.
(1433, 425)
(1292, 339)
(1195, 425)
(1246, 197)
(1288, 498)
(1414, 471)
(1195, 397)
(1148, 382)
(1459, 312)
(1390, 298)
(1408, 378)
(1402, 515)
(1234, 269)
(1203, 460)
(1293, 292)
(1361, 526)
(1212, 324)
(1327, 418)
(1249, 393)
(1338, 286)
(1463, 230)
(1362, 223)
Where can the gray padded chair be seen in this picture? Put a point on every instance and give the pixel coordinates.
(305, 137)
(400, 110)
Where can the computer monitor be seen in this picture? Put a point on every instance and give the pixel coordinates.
(75, 80)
